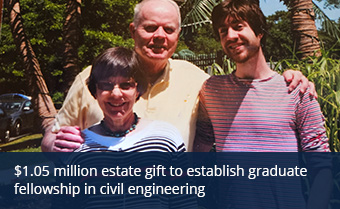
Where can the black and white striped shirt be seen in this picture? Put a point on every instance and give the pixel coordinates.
(157, 136)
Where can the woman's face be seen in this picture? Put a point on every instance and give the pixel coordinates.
(116, 97)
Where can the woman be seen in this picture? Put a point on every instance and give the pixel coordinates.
(117, 82)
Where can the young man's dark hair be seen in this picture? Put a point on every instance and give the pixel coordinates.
(241, 10)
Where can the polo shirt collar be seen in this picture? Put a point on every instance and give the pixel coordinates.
(164, 78)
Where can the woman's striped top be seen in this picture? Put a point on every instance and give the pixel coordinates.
(157, 136)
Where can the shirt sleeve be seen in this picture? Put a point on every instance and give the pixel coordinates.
(204, 137)
(311, 125)
(74, 107)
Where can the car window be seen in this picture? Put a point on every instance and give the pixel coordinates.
(11, 105)
(28, 104)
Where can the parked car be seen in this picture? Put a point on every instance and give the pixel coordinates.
(5, 121)
(14, 96)
(19, 111)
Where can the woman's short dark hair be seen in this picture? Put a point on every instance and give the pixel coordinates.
(113, 62)
(244, 10)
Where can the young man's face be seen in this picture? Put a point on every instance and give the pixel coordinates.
(238, 40)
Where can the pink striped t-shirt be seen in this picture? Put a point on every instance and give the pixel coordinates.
(259, 116)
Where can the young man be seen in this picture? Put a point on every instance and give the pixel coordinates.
(172, 95)
(252, 109)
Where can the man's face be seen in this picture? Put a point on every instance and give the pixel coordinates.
(238, 40)
(157, 32)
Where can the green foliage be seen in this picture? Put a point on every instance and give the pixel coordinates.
(227, 68)
(324, 72)
(329, 26)
(96, 41)
(181, 45)
(28, 143)
(104, 24)
(331, 3)
(279, 37)
(10, 63)
(205, 41)
(279, 40)
(329, 42)
(43, 22)
(202, 41)
(196, 13)
(58, 97)
(183, 54)
(112, 16)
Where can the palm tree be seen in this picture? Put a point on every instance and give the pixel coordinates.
(71, 34)
(303, 27)
(43, 103)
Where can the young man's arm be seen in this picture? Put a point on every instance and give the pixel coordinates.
(313, 138)
(66, 139)
(204, 136)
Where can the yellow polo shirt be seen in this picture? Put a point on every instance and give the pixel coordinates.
(173, 98)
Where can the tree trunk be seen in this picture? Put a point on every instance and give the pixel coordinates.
(43, 103)
(1, 6)
(304, 29)
(71, 33)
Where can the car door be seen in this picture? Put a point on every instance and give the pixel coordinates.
(3, 120)
(27, 115)
(4, 123)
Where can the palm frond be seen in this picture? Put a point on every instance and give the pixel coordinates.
(199, 14)
(328, 25)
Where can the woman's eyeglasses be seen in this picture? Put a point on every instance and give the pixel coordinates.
(109, 86)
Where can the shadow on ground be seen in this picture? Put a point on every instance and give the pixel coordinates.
(30, 143)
